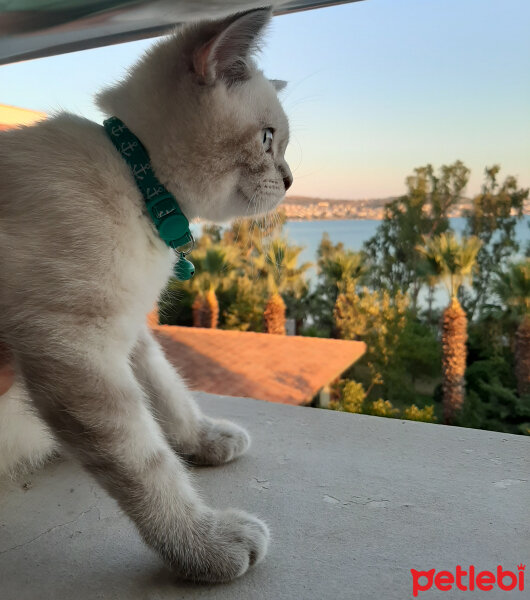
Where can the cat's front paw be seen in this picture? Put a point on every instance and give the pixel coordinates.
(226, 543)
(219, 442)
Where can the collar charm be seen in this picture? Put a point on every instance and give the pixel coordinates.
(171, 223)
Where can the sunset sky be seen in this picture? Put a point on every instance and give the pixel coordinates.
(375, 89)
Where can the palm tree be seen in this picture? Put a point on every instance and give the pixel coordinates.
(277, 261)
(213, 265)
(274, 314)
(342, 266)
(248, 234)
(337, 269)
(513, 288)
(453, 263)
(342, 270)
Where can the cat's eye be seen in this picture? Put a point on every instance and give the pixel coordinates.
(267, 139)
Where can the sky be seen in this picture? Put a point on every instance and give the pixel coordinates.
(376, 88)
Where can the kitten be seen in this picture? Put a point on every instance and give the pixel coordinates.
(82, 265)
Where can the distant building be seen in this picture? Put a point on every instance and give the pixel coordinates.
(13, 116)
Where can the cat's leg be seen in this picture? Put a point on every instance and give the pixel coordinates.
(200, 439)
(97, 409)
(25, 441)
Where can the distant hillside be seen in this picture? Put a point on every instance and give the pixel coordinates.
(303, 208)
(312, 200)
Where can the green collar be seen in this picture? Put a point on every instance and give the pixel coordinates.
(172, 225)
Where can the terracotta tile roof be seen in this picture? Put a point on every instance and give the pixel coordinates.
(286, 369)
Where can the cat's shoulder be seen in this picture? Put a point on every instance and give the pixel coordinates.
(64, 147)
(57, 133)
(58, 124)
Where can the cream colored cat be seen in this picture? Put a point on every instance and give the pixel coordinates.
(82, 265)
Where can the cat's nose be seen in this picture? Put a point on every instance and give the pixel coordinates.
(285, 174)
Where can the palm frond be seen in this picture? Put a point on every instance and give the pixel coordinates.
(450, 260)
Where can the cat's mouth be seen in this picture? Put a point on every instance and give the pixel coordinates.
(264, 200)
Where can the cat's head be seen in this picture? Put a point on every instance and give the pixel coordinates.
(209, 118)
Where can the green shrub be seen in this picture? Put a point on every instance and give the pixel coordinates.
(426, 414)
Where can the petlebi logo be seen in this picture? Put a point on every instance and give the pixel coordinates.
(471, 580)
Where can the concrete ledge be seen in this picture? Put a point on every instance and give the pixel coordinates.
(354, 502)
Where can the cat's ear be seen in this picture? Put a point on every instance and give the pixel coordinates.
(226, 55)
(278, 84)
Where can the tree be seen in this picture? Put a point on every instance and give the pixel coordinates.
(513, 289)
(212, 267)
(522, 356)
(277, 264)
(342, 266)
(336, 266)
(453, 262)
(493, 217)
(274, 314)
(417, 356)
(245, 312)
(248, 235)
(491, 400)
(378, 319)
(421, 214)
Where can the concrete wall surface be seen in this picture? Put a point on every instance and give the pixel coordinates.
(354, 503)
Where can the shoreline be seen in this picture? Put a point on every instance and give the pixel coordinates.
(363, 218)
(316, 209)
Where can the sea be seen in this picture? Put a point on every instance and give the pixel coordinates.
(353, 233)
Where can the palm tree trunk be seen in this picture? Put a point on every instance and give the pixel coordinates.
(454, 354)
(522, 356)
(211, 316)
(274, 315)
(199, 311)
(205, 309)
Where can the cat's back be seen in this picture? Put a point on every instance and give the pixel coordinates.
(63, 184)
(71, 221)
(42, 165)
(60, 183)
